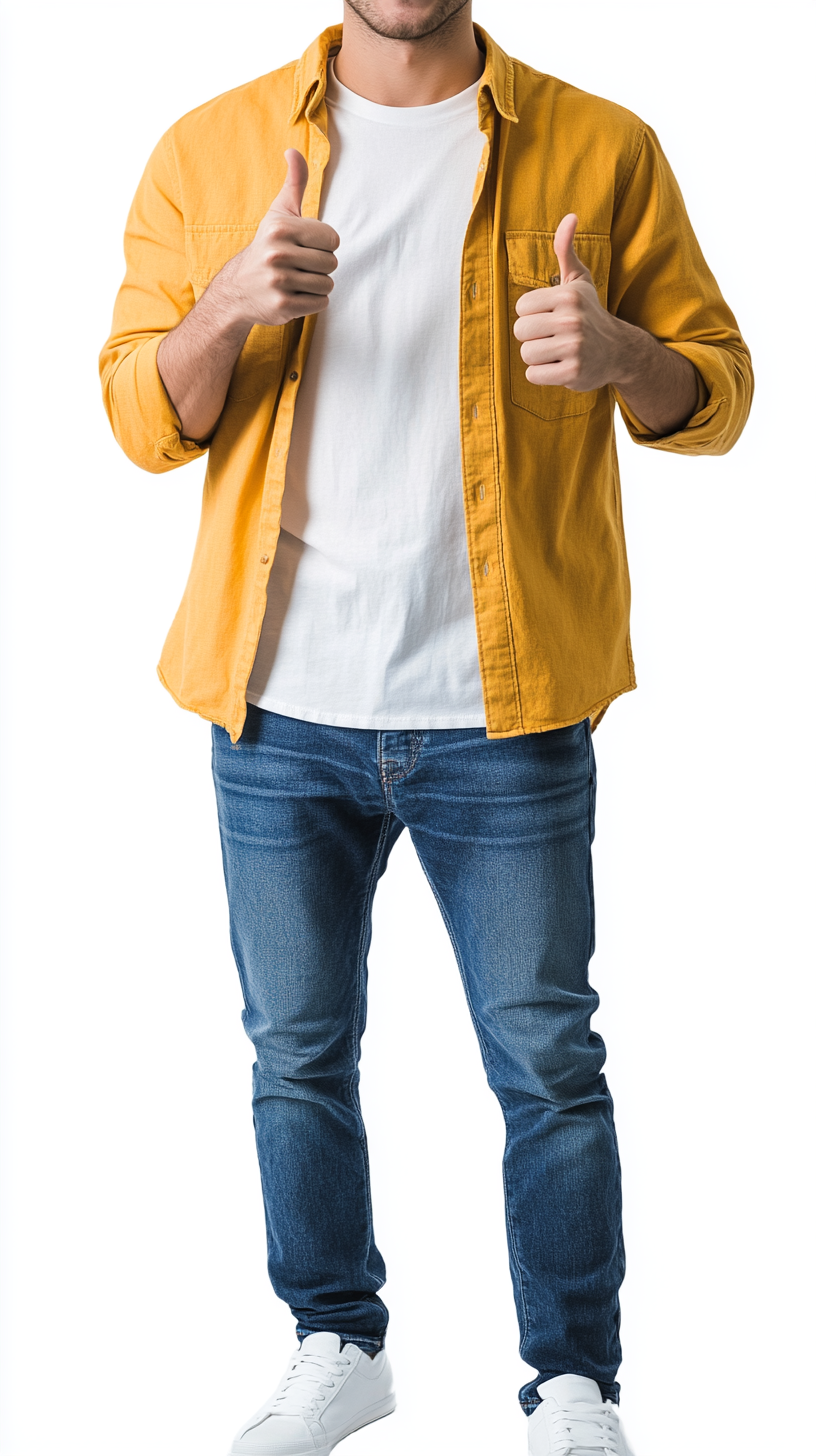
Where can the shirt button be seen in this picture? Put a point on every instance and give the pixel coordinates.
(293, 376)
(481, 166)
(264, 560)
(555, 279)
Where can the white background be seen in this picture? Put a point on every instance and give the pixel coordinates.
(138, 1317)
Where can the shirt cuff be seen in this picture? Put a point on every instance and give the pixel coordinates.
(145, 422)
(703, 428)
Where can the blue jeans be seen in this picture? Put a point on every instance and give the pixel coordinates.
(503, 829)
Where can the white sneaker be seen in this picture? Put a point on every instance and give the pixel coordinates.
(325, 1394)
(574, 1420)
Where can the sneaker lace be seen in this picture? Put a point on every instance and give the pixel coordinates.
(586, 1430)
(306, 1383)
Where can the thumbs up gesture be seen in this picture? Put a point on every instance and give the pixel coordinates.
(567, 337)
(285, 273)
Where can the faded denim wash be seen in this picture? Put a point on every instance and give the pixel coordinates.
(503, 829)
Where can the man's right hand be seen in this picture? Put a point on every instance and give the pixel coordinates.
(285, 273)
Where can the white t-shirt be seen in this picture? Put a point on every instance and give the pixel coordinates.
(369, 620)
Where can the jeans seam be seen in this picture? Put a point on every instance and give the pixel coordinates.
(385, 780)
(414, 752)
(389, 779)
(590, 835)
(233, 940)
(488, 1063)
(361, 958)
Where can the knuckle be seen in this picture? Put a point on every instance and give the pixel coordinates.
(528, 302)
(324, 237)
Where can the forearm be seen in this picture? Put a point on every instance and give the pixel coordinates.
(660, 386)
(196, 359)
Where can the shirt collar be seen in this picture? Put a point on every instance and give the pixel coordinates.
(310, 74)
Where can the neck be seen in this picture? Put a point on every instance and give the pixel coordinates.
(409, 72)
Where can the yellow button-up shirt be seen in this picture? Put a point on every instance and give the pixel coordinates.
(539, 468)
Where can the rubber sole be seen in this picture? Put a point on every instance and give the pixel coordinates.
(385, 1407)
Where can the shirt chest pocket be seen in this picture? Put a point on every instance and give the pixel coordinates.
(259, 364)
(531, 263)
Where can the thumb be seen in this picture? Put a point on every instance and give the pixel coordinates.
(290, 197)
(572, 269)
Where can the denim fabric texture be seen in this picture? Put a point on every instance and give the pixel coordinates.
(503, 830)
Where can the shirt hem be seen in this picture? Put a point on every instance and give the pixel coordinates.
(379, 721)
(595, 714)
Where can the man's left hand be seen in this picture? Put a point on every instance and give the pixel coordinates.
(568, 338)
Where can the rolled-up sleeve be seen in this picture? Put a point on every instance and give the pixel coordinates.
(154, 297)
(660, 281)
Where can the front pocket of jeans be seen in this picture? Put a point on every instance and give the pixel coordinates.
(531, 263)
(258, 366)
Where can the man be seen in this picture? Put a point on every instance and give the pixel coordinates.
(423, 338)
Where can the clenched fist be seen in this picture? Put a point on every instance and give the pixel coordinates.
(285, 273)
(567, 336)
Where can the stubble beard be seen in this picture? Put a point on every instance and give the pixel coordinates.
(419, 29)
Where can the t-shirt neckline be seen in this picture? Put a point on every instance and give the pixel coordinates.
(341, 98)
